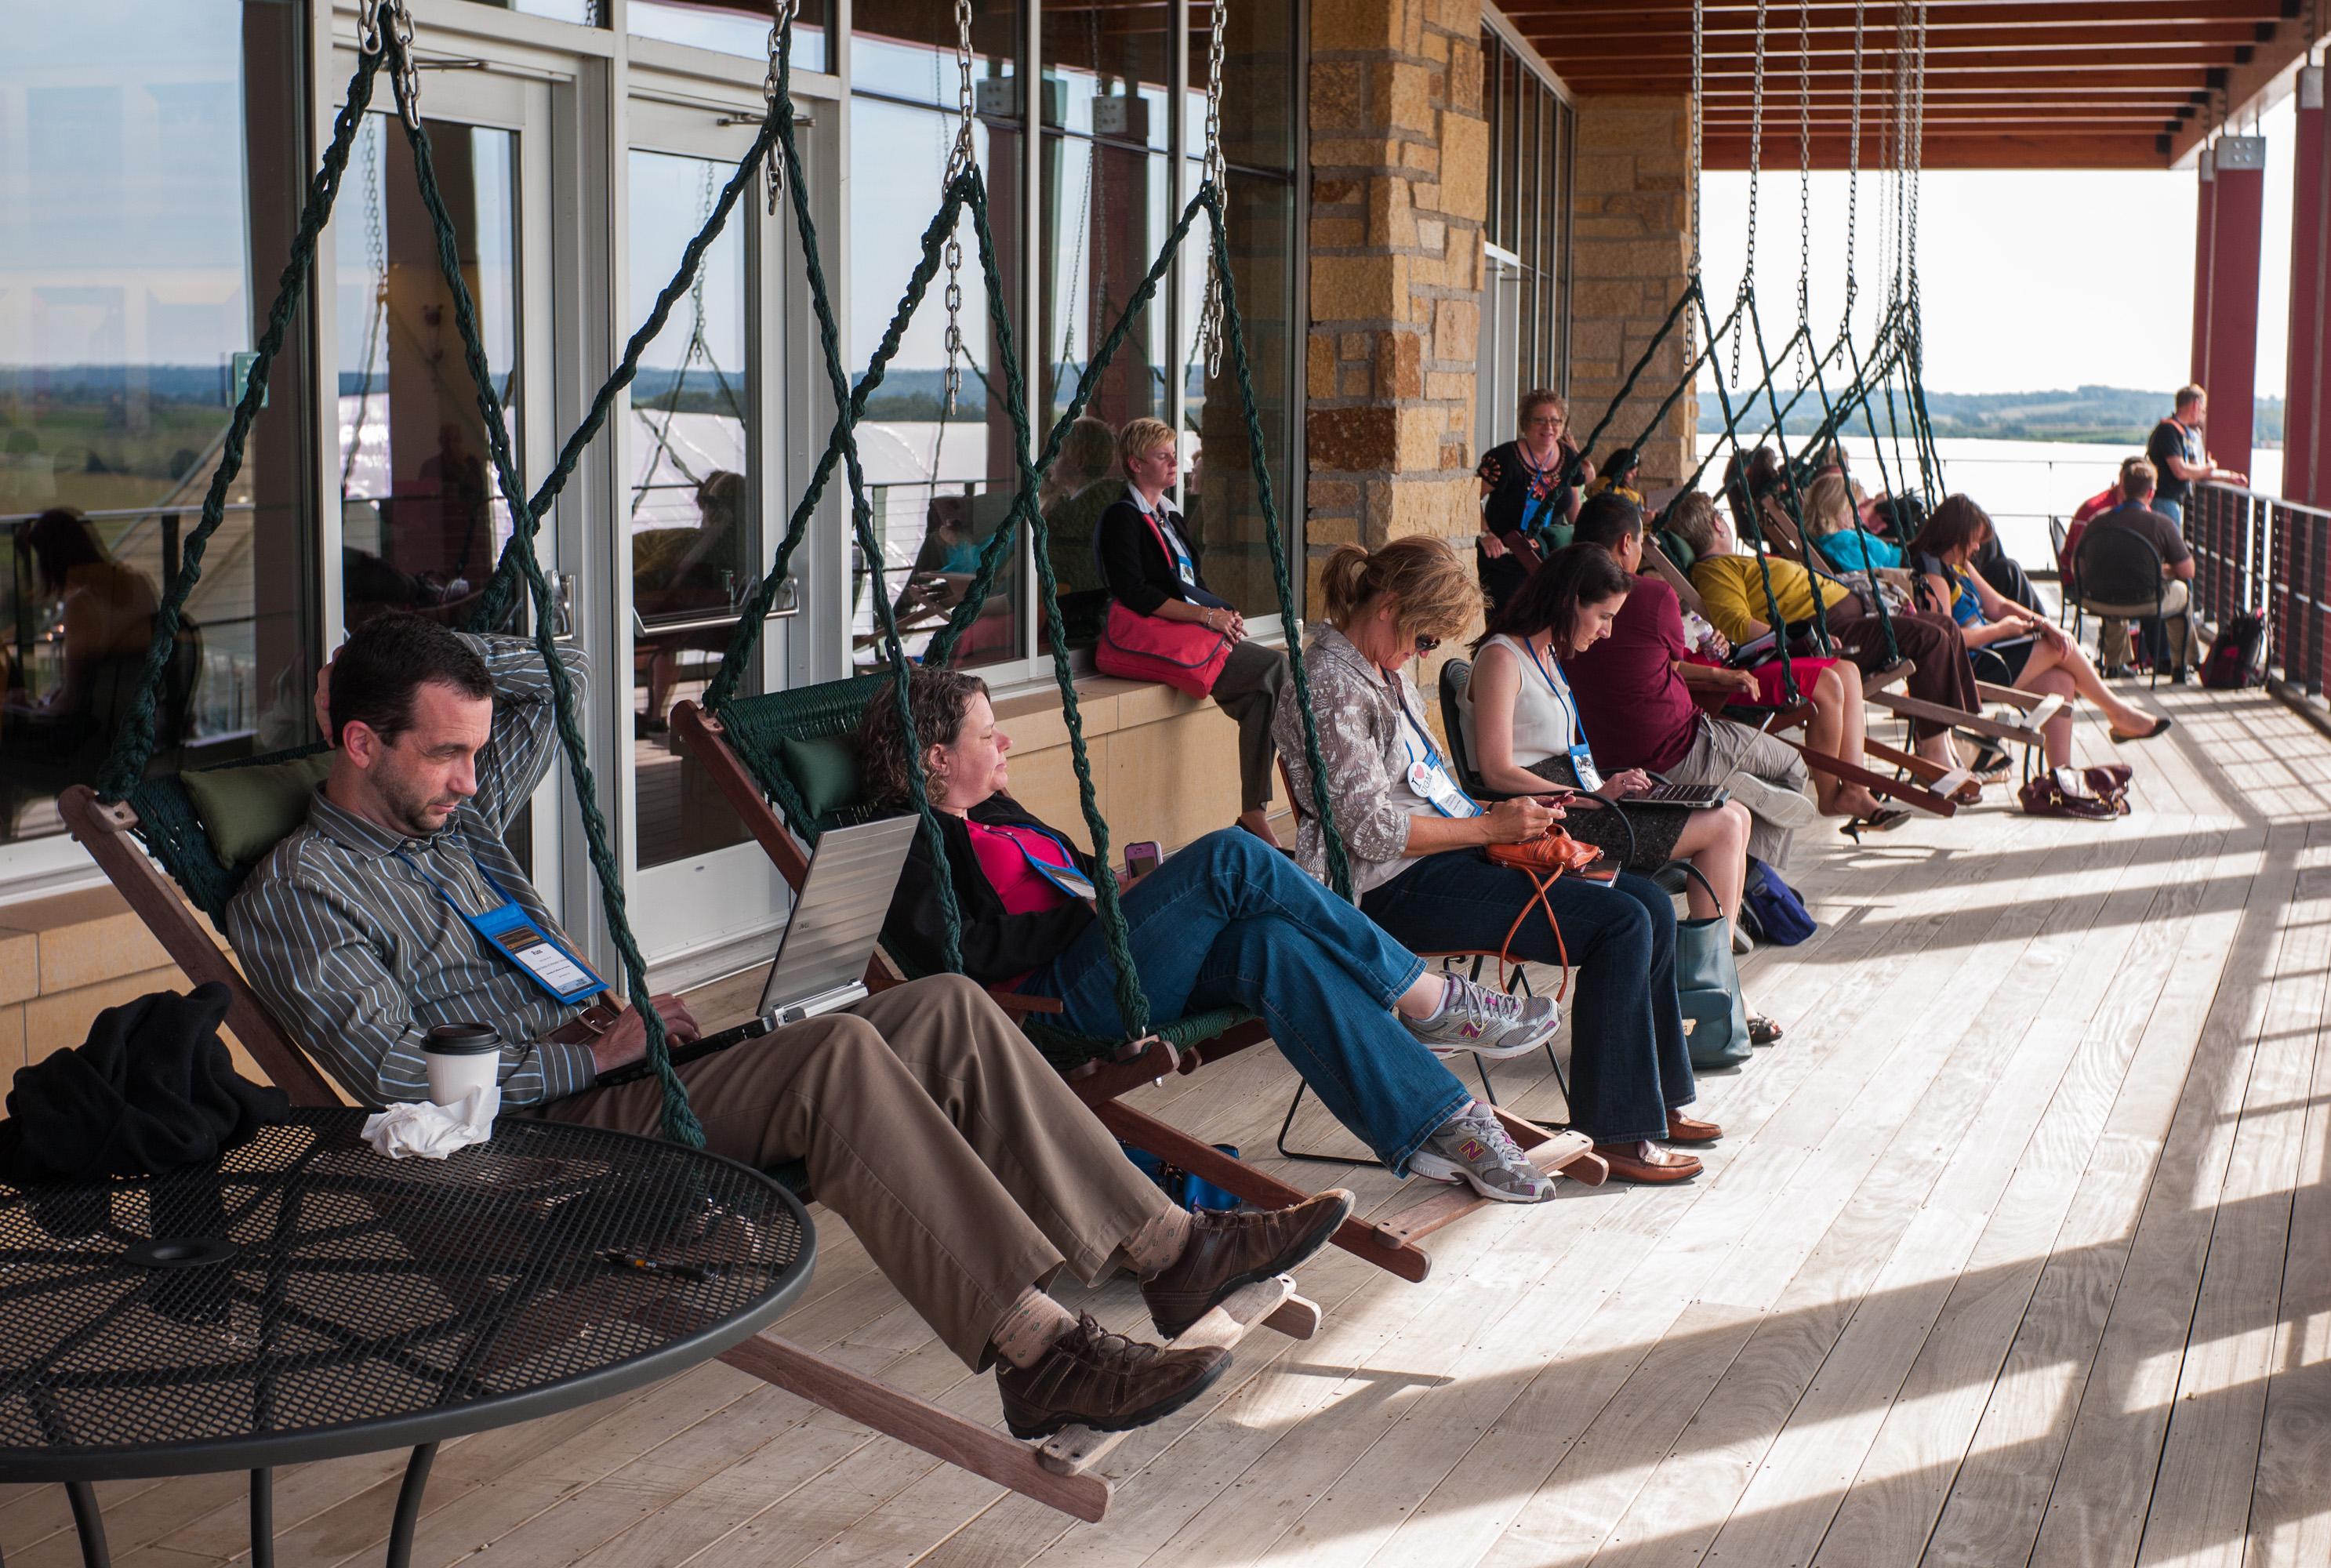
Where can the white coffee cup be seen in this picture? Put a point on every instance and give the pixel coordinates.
(461, 1057)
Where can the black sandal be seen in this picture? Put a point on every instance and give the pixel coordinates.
(1763, 1030)
(1883, 819)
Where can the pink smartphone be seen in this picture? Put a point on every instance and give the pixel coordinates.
(1142, 858)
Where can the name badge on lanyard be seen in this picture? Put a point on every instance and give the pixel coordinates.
(1428, 776)
(1581, 759)
(1184, 566)
(1066, 878)
(517, 936)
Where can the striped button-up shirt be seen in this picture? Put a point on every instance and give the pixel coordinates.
(357, 954)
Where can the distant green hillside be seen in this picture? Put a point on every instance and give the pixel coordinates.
(2116, 414)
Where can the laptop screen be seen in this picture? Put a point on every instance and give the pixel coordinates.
(838, 917)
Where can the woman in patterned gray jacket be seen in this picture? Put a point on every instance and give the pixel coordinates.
(1414, 841)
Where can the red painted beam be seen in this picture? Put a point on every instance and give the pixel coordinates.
(2306, 390)
(2226, 363)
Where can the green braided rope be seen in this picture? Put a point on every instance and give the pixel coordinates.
(1788, 490)
(747, 634)
(679, 1123)
(1340, 866)
(999, 544)
(1576, 466)
(963, 189)
(1132, 1002)
(133, 743)
(1869, 573)
(1772, 603)
(495, 600)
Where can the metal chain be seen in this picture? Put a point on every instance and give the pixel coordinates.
(376, 252)
(1692, 180)
(772, 168)
(1918, 155)
(1755, 163)
(1210, 315)
(398, 32)
(1853, 169)
(961, 158)
(1804, 182)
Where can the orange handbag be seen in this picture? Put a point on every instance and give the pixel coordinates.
(1542, 859)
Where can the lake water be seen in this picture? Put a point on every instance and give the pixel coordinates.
(2023, 483)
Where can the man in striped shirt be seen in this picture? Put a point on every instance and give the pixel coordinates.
(928, 1122)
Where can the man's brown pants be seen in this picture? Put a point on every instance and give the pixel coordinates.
(936, 1132)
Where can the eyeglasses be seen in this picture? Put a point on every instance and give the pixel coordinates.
(1426, 644)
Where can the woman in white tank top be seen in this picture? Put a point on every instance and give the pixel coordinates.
(1522, 732)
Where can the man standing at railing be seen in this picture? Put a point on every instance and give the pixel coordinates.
(2180, 460)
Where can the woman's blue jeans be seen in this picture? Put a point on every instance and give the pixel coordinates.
(1629, 1062)
(1231, 922)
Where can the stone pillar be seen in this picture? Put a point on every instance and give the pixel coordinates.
(1630, 254)
(1399, 188)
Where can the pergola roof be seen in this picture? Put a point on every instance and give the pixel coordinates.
(2010, 83)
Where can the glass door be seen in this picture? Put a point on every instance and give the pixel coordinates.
(423, 517)
(701, 508)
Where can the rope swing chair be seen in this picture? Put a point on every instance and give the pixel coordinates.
(162, 814)
(760, 751)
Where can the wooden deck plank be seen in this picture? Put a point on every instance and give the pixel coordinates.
(2018, 1250)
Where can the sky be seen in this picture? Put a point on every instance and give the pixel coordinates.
(2030, 279)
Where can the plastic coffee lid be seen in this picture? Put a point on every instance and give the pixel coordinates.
(462, 1040)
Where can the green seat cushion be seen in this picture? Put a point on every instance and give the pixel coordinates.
(248, 811)
(825, 771)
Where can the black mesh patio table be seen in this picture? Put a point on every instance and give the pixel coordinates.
(307, 1298)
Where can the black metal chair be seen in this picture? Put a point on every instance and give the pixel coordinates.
(2136, 552)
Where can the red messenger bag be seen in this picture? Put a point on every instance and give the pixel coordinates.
(1182, 654)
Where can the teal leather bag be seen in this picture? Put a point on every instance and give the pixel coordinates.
(1707, 984)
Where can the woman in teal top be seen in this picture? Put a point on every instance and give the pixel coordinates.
(1837, 532)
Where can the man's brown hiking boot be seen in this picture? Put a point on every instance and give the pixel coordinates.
(1091, 1377)
(1227, 1252)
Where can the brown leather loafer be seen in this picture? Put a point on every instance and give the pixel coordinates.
(1091, 1377)
(1627, 1166)
(1227, 1252)
(1683, 1129)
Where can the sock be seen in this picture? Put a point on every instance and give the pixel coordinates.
(1447, 995)
(1157, 1246)
(1032, 1325)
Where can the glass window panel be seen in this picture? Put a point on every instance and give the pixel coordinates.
(1104, 216)
(1493, 93)
(1219, 495)
(696, 553)
(1105, 70)
(582, 12)
(1508, 152)
(726, 27)
(1259, 130)
(141, 200)
(905, 49)
(940, 481)
(1525, 227)
(423, 516)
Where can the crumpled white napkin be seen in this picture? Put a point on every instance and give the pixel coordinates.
(433, 1131)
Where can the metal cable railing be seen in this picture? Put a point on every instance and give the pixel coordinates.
(2265, 555)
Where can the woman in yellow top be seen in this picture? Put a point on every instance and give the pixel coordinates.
(1732, 596)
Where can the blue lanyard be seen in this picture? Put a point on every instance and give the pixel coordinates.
(1432, 753)
(518, 937)
(1559, 685)
(1184, 566)
(1065, 875)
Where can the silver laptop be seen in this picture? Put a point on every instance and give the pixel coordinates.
(829, 939)
(821, 962)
